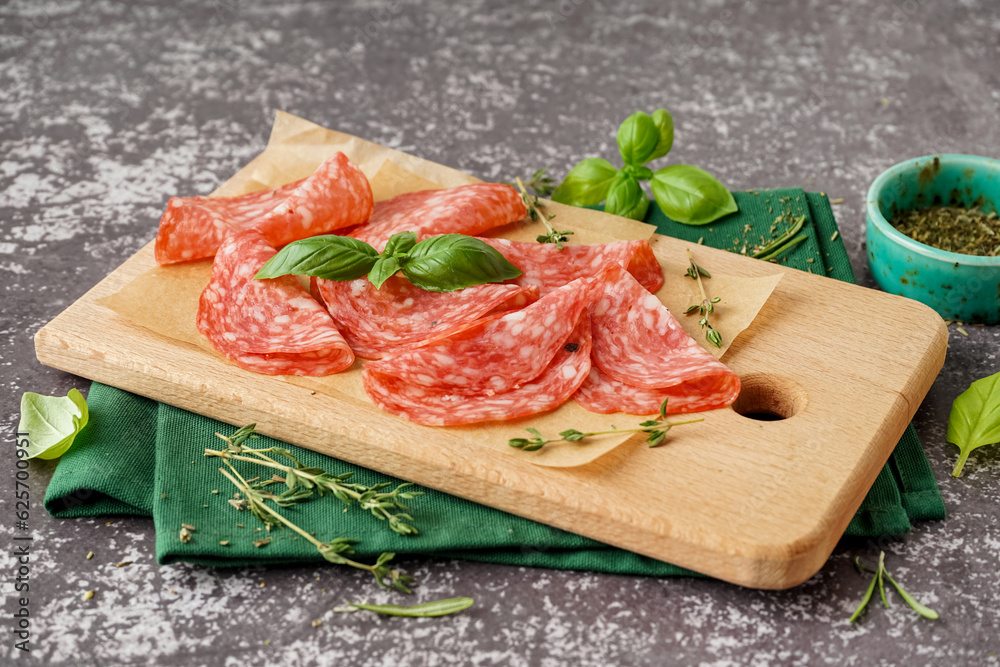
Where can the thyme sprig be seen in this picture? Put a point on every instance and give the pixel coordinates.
(334, 551)
(303, 481)
(541, 183)
(707, 306)
(879, 575)
(536, 212)
(655, 428)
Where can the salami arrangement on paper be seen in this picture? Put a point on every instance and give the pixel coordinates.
(336, 196)
(580, 322)
(271, 326)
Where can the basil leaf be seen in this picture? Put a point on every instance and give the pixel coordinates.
(400, 244)
(384, 269)
(329, 257)
(664, 123)
(586, 184)
(51, 422)
(627, 198)
(691, 195)
(452, 261)
(638, 137)
(425, 610)
(975, 418)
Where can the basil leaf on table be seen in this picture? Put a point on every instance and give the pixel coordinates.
(425, 610)
(587, 183)
(691, 195)
(637, 137)
(329, 257)
(975, 418)
(52, 422)
(627, 198)
(664, 123)
(452, 261)
(384, 268)
(400, 243)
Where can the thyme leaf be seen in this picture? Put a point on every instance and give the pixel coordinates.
(536, 212)
(707, 306)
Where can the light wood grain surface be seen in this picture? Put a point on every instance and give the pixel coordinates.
(757, 503)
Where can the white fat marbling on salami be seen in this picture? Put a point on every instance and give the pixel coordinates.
(336, 196)
(399, 316)
(548, 267)
(639, 344)
(496, 356)
(269, 326)
(436, 407)
(466, 209)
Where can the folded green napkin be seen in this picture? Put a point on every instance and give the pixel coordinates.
(139, 457)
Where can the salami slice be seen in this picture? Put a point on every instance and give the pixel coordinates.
(497, 356)
(466, 209)
(437, 407)
(378, 322)
(547, 266)
(637, 342)
(268, 326)
(600, 393)
(337, 195)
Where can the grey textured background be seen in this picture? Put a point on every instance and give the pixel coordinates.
(108, 109)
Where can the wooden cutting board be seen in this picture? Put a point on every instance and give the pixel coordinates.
(757, 503)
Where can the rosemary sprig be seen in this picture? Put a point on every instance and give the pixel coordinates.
(707, 306)
(303, 481)
(879, 575)
(785, 242)
(536, 212)
(335, 551)
(656, 428)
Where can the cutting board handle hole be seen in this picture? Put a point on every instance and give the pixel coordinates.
(768, 397)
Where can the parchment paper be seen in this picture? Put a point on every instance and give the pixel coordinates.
(165, 299)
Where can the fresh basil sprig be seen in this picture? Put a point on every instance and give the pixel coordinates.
(975, 418)
(686, 194)
(437, 264)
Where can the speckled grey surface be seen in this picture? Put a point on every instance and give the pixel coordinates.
(108, 109)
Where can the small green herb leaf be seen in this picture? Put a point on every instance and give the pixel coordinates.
(864, 601)
(975, 418)
(638, 137)
(329, 257)
(384, 268)
(691, 195)
(425, 610)
(400, 244)
(924, 611)
(452, 261)
(586, 184)
(665, 126)
(627, 198)
(51, 422)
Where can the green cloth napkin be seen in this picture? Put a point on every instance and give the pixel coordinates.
(143, 458)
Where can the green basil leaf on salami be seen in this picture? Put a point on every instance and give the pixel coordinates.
(400, 244)
(384, 268)
(329, 257)
(453, 261)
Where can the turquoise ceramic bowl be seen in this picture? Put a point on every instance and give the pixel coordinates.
(959, 287)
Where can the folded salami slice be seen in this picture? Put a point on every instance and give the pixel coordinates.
(466, 209)
(638, 343)
(437, 407)
(547, 266)
(337, 195)
(398, 316)
(498, 355)
(600, 393)
(268, 326)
